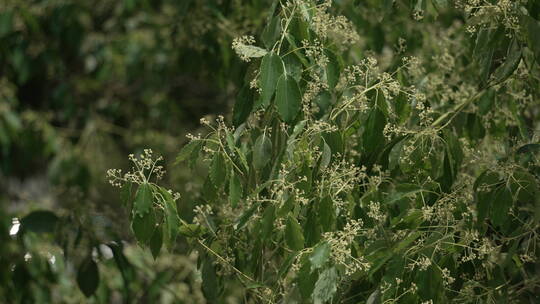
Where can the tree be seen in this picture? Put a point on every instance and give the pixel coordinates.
(345, 178)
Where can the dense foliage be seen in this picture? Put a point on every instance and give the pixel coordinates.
(345, 178)
(83, 83)
(377, 152)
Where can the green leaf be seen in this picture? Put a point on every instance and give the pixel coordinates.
(404, 244)
(293, 234)
(533, 32)
(320, 255)
(127, 192)
(41, 221)
(528, 148)
(373, 133)
(218, 170)
(210, 283)
(271, 69)
(324, 103)
(271, 32)
(502, 201)
(332, 69)
(235, 190)
(123, 264)
(245, 217)
(293, 67)
(335, 142)
(191, 230)
(172, 220)
(326, 286)
(268, 219)
(250, 51)
(286, 207)
(156, 242)
(325, 156)
(524, 187)
(306, 279)
(483, 187)
(262, 151)
(326, 213)
(6, 21)
(486, 102)
(143, 199)
(88, 277)
(475, 128)
(374, 297)
(312, 228)
(143, 226)
(513, 57)
(288, 98)
(243, 105)
(430, 284)
(186, 151)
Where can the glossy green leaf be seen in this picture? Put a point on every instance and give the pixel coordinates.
(271, 70)
(293, 234)
(88, 277)
(320, 255)
(326, 286)
(288, 98)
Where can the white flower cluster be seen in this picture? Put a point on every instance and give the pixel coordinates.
(145, 167)
(340, 243)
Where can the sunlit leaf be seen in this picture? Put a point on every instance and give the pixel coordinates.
(326, 286)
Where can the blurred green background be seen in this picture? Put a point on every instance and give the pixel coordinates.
(83, 84)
